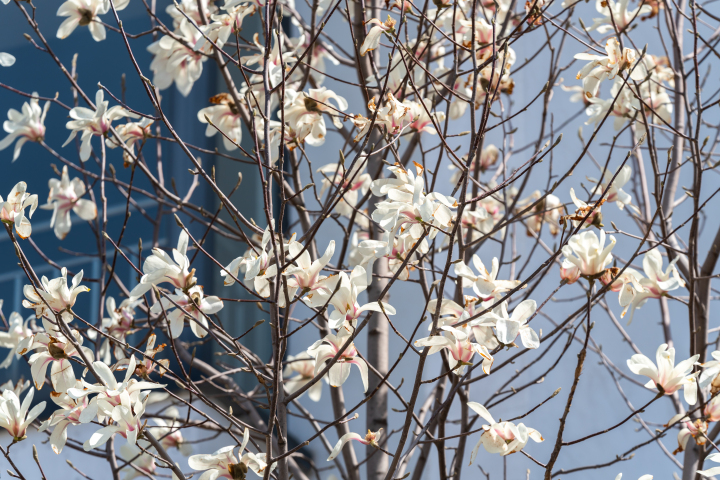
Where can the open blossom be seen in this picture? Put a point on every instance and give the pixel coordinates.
(18, 388)
(15, 417)
(55, 294)
(305, 274)
(485, 284)
(351, 182)
(370, 439)
(161, 268)
(588, 252)
(507, 327)
(195, 303)
(325, 349)
(367, 251)
(173, 61)
(92, 123)
(616, 15)
(344, 298)
(451, 312)
(257, 263)
(223, 24)
(666, 375)
(504, 437)
(657, 284)
(224, 116)
(372, 40)
(66, 196)
(148, 363)
(12, 211)
(131, 133)
(85, 14)
(304, 113)
(408, 208)
(304, 365)
(547, 210)
(113, 393)
(56, 353)
(17, 332)
(615, 193)
(28, 125)
(224, 464)
(128, 422)
(460, 349)
(422, 121)
(68, 414)
(606, 68)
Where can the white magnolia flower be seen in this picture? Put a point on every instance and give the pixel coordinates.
(130, 134)
(584, 209)
(55, 352)
(451, 313)
(28, 125)
(68, 414)
(161, 267)
(258, 264)
(507, 327)
(408, 207)
(352, 183)
(55, 294)
(65, 196)
(588, 252)
(94, 122)
(12, 211)
(17, 334)
(622, 104)
(321, 52)
(128, 423)
(607, 67)
(195, 303)
(344, 298)
(224, 464)
(113, 393)
(304, 113)
(616, 14)
(419, 118)
(118, 324)
(6, 60)
(461, 349)
(547, 210)
(615, 193)
(325, 349)
(485, 284)
(504, 437)
(147, 363)
(367, 251)
(175, 61)
(224, 116)
(305, 274)
(666, 375)
(370, 439)
(657, 284)
(85, 14)
(223, 24)
(304, 365)
(372, 40)
(15, 417)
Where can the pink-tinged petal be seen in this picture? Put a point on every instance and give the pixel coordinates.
(341, 443)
